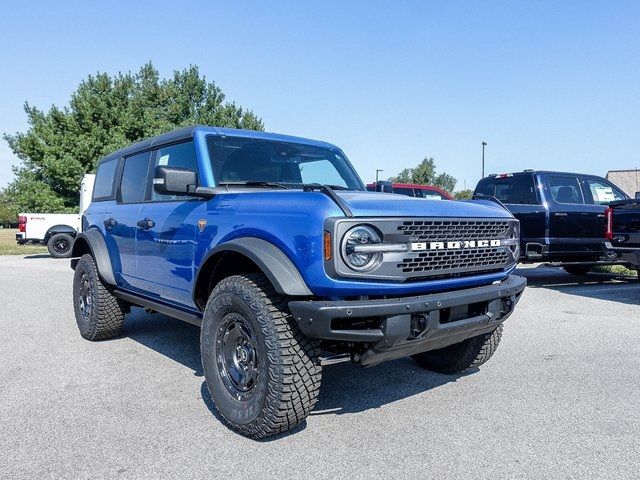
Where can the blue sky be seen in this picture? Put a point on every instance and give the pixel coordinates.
(550, 85)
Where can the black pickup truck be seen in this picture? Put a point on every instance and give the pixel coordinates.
(623, 230)
(562, 215)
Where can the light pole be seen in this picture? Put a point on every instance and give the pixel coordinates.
(483, 145)
(377, 172)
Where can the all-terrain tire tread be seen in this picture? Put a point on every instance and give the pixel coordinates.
(469, 354)
(295, 384)
(108, 311)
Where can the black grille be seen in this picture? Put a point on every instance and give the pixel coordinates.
(443, 230)
(443, 261)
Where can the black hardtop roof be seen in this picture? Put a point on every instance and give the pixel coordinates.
(147, 143)
(545, 172)
(188, 132)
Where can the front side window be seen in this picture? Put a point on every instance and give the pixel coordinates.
(181, 155)
(105, 176)
(246, 160)
(133, 186)
(565, 190)
(603, 192)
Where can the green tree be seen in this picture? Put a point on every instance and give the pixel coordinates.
(425, 174)
(463, 195)
(106, 113)
(8, 210)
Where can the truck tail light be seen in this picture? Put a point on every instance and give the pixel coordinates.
(327, 246)
(22, 223)
(608, 219)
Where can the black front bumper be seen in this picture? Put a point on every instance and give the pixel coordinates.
(404, 326)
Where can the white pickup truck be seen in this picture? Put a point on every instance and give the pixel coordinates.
(55, 230)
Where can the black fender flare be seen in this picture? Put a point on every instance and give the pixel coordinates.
(281, 272)
(94, 239)
(61, 228)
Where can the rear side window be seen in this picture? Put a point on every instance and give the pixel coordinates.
(105, 176)
(133, 186)
(403, 191)
(181, 155)
(565, 190)
(603, 192)
(518, 189)
(427, 193)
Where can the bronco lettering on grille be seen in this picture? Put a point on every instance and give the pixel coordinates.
(455, 245)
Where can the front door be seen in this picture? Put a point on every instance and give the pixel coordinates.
(167, 233)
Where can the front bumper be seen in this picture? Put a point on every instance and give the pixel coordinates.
(398, 327)
(20, 238)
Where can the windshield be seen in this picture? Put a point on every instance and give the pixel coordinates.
(249, 160)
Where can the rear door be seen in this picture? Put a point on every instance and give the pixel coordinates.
(120, 223)
(571, 215)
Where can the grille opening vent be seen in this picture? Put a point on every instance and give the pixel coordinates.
(441, 230)
(462, 312)
(372, 323)
(442, 260)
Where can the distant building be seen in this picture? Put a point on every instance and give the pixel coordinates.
(627, 180)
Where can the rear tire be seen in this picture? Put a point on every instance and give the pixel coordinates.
(262, 373)
(457, 358)
(60, 244)
(99, 314)
(577, 269)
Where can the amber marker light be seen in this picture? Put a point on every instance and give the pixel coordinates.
(327, 246)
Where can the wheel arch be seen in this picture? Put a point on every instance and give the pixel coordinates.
(248, 255)
(60, 228)
(93, 243)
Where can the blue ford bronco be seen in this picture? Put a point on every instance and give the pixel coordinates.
(272, 245)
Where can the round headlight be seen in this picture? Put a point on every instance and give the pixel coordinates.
(356, 258)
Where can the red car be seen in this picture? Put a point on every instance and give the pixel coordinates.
(411, 190)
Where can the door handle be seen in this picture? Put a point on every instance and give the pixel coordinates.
(146, 224)
(109, 223)
(559, 214)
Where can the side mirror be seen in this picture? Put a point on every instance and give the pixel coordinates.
(384, 186)
(174, 181)
(637, 195)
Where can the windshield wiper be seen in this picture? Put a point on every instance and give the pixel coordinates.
(253, 183)
(328, 191)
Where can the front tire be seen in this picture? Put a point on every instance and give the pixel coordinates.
(457, 358)
(60, 244)
(99, 314)
(262, 373)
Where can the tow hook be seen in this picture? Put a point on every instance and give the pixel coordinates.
(507, 306)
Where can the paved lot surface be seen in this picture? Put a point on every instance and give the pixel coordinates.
(558, 400)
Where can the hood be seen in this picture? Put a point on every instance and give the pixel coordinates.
(376, 204)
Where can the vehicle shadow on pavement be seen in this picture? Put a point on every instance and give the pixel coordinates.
(36, 256)
(601, 286)
(349, 388)
(346, 388)
(173, 338)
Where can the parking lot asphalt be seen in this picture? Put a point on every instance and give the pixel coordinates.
(559, 399)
